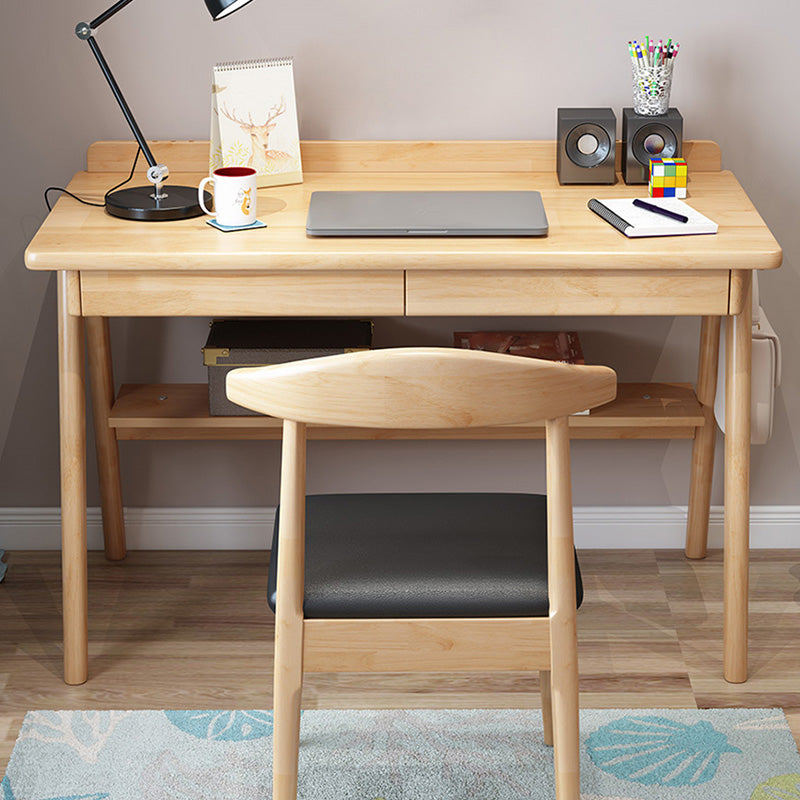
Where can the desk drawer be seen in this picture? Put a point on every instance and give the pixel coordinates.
(566, 292)
(268, 294)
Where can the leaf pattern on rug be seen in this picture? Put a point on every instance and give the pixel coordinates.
(781, 787)
(658, 751)
(223, 726)
(86, 732)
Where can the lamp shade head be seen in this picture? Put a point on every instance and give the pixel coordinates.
(221, 8)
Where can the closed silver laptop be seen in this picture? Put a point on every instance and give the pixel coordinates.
(435, 213)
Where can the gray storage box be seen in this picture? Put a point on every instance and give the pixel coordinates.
(236, 343)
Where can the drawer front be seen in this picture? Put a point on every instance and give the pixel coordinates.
(566, 292)
(269, 294)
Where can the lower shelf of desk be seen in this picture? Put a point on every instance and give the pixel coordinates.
(180, 411)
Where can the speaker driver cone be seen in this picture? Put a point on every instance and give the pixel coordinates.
(587, 145)
(654, 141)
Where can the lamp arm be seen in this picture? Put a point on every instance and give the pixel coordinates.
(83, 30)
(106, 15)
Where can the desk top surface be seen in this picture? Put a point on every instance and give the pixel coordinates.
(80, 237)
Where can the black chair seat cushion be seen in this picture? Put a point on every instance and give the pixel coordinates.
(424, 555)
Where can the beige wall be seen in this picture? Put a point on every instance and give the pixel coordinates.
(423, 69)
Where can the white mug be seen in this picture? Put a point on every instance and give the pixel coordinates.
(234, 195)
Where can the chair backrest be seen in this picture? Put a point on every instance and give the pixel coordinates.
(421, 387)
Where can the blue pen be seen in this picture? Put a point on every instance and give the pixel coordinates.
(658, 210)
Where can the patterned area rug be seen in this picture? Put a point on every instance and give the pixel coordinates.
(402, 755)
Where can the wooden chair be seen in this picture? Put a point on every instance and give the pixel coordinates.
(381, 582)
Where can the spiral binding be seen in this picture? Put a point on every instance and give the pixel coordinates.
(608, 215)
(227, 66)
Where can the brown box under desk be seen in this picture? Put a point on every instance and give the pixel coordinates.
(236, 343)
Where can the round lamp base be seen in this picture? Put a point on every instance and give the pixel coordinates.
(139, 203)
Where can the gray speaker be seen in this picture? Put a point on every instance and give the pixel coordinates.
(586, 145)
(645, 137)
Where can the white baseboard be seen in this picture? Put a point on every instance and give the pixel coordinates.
(145, 528)
(628, 527)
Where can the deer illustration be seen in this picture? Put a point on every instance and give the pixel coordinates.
(262, 158)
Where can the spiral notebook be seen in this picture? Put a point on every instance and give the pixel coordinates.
(635, 222)
(254, 120)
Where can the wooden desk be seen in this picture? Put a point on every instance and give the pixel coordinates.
(110, 267)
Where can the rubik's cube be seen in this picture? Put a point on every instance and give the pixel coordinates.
(668, 177)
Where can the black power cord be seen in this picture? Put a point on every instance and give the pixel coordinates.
(88, 202)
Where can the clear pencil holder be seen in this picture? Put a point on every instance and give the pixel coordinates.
(651, 88)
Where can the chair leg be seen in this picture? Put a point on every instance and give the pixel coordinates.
(288, 689)
(288, 679)
(547, 706)
(566, 741)
(563, 623)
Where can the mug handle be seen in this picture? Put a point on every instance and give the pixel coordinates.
(200, 194)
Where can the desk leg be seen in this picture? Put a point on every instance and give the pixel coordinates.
(737, 487)
(101, 377)
(72, 418)
(704, 440)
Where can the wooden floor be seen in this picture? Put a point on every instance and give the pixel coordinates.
(192, 630)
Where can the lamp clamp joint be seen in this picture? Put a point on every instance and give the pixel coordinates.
(158, 174)
(83, 30)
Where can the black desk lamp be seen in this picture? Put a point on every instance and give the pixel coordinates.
(156, 202)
